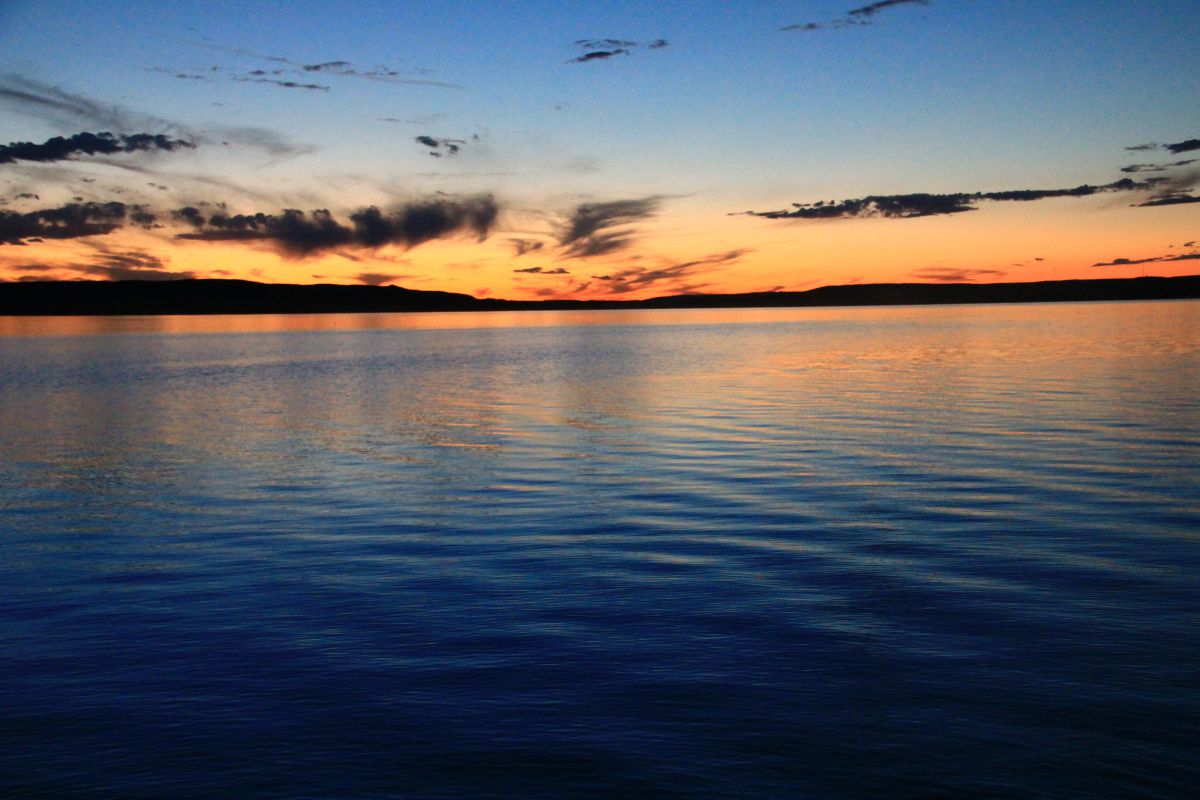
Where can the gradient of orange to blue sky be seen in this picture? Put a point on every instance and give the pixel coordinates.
(599, 149)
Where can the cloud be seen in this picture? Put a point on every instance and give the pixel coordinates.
(677, 277)
(869, 11)
(284, 84)
(298, 234)
(60, 148)
(64, 109)
(906, 206)
(1182, 147)
(855, 17)
(593, 228)
(344, 69)
(1169, 200)
(602, 49)
(523, 246)
(71, 221)
(113, 265)
(377, 278)
(1176, 148)
(596, 55)
(1125, 262)
(1132, 168)
(955, 275)
(541, 271)
(436, 146)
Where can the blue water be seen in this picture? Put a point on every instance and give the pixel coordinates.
(905, 552)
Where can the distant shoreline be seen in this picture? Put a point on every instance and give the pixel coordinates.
(214, 296)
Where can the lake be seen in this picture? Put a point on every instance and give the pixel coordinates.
(832, 553)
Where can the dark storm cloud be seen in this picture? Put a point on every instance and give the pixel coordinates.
(593, 228)
(299, 234)
(601, 49)
(60, 148)
(70, 221)
(542, 271)
(906, 206)
(855, 17)
(955, 275)
(1125, 262)
(678, 277)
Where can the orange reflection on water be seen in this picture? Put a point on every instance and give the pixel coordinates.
(284, 323)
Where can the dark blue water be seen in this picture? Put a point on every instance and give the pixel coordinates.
(912, 552)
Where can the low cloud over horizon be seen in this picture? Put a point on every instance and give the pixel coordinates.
(299, 234)
(909, 206)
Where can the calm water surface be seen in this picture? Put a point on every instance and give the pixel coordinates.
(908, 552)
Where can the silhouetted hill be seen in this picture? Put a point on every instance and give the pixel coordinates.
(248, 297)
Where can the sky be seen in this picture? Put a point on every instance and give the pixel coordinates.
(608, 150)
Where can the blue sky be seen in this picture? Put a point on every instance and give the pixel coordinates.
(732, 114)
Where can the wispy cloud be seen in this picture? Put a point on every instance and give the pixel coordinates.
(340, 68)
(108, 264)
(1170, 200)
(543, 271)
(66, 109)
(678, 277)
(855, 17)
(523, 246)
(955, 275)
(1135, 168)
(604, 49)
(377, 278)
(1126, 262)
(598, 228)
(1175, 148)
(907, 206)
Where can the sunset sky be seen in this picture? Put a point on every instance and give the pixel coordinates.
(599, 149)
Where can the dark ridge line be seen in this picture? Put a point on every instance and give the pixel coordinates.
(218, 296)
